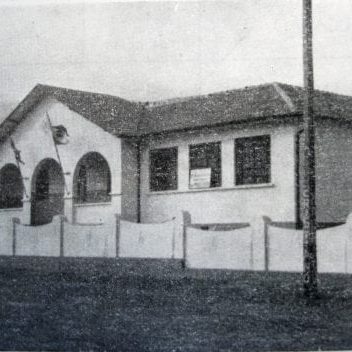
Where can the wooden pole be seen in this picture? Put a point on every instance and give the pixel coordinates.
(57, 152)
(309, 207)
(118, 232)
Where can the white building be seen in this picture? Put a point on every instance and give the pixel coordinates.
(224, 157)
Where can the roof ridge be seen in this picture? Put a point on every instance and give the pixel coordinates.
(170, 101)
(279, 87)
(48, 86)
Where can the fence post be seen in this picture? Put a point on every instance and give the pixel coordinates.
(267, 222)
(173, 245)
(118, 229)
(14, 222)
(347, 241)
(186, 221)
(62, 229)
(251, 259)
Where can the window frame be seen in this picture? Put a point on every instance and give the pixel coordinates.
(170, 178)
(217, 177)
(263, 142)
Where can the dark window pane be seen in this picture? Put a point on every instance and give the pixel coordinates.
(204, 156)
(163, 169)
(11, 187)
(252, 160)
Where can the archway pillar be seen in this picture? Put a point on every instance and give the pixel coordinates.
(68, 208)
(26, 211)
(116, 202)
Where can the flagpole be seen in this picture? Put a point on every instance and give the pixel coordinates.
(310, 284)
(57, 151)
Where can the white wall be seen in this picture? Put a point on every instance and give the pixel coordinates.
(220, 249)
(34, 139)
(89, 241)
(6, 230)
(41, 240)
(96, 213)
(334, 245)
(148, 240)
(229, 203)
(285, 249)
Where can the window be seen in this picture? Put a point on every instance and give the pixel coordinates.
(92, 180)
(163, 169)
(205, 165)
(11, 187)
(252, 160)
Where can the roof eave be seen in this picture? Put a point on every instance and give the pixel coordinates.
(16, 116)
(249, 120)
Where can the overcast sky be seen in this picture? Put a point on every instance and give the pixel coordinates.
(156, 50)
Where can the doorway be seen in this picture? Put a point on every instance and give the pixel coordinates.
(48, 188)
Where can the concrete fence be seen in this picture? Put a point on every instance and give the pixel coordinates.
(89, 240)
(43, 241)
(260, 244)
(114, 239)
(265, 245)
(284, 248)
(147, 240)
(231, 249)
(60, 238)
(6, 236)
(233, 246)
(334, 246)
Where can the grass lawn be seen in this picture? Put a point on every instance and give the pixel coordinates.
(238, 311)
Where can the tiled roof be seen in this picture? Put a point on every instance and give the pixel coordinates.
(274, 100)
(218, 108)
(326, 104)
(124, 118)
(113, 114)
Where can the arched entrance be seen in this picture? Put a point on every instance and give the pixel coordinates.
(48, 188)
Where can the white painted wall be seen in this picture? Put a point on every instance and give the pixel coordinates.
(89, 240)
(96, 213)
(334, 246)
(41, 240)
(148, 240)
(34, 139)
(6, 229)
(228, 203)
(220, 249)
(285, 249)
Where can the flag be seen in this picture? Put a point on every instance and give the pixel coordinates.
(16, 152)
(60, 134)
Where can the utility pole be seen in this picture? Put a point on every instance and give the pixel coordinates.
(310, 284)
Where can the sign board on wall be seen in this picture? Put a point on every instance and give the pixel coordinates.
(200, 178)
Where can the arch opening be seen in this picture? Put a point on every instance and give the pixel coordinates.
(48, 189)
(92, 180)
(11, 187)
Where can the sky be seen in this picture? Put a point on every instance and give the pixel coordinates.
(159, 50)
